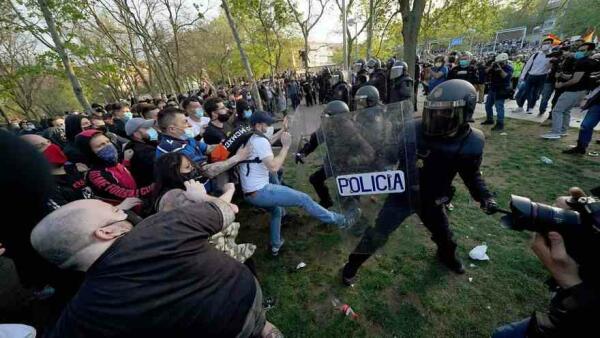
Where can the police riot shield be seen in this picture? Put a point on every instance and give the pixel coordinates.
(371, 154)
(302, 123)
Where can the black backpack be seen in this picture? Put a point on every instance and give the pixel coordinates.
(239, 138)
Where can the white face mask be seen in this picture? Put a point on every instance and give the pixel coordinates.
(270, 131)
(546, 48)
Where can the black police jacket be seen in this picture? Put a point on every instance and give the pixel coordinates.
(401, 89)
(378, 80)
(440, 160)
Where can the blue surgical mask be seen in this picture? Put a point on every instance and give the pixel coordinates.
(463, 63)
(189, 133)
(247, 114)
(152, 134)
(579, 55)
(127, 115)
(109, 154)
(199, 112)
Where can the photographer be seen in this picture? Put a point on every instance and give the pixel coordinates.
(575, 305)
(500, 73)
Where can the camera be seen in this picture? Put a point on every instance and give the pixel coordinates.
(579, 227)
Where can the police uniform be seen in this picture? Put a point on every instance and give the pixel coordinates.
(439, 160)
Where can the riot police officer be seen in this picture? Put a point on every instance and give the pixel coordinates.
(341, 89)
(401, 84)
(377, 78)
(317, 179)
(446, 146)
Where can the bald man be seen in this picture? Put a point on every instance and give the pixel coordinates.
(160, 278)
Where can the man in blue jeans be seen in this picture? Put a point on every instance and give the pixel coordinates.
(534, 77)
(258, 190)
(592, 118)
(500, 74)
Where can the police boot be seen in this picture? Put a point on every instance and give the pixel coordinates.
(446, 254)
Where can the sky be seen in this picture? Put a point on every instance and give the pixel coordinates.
(327, 29)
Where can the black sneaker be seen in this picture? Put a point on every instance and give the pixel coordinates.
(348, 275)
(498, 127)
(487, 122)
(451, 261)
(577, 150)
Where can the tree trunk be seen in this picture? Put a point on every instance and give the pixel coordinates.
(411, 22)
(5, 117)
(305, 52)
(370, 29)
(245, 61)
(64, 57)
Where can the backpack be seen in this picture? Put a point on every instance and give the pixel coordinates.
(239, 138)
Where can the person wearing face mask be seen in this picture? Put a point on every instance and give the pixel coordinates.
(573, 90)
(75, 124)
(121, 114)
(195, 115)
(464, 70)
(144, 139)
(69, 183)
(438, 73)
(110, 180)
(534, 75)
(56, 132)
(99, 124)
(218, 128)
(499, 73)
(243, 113)
(178, 136)
(256, 180)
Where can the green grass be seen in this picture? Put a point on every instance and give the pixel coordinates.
(402, 290)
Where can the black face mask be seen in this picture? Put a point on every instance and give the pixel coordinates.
(223, 117)
(194, 174)
(103, 129)
(132, 217)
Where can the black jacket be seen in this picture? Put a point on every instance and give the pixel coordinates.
(142, 162)
(401, 89)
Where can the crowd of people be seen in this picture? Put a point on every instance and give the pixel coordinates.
(131, 224)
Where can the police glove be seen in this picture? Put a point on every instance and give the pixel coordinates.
(299, 158)
(489, 206)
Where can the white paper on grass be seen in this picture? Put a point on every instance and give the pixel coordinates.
(479, 253)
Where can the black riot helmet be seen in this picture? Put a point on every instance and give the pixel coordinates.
(359, 65)
(373, 64)
(336, 107)
(398, 69)
(448, 107)
(390, 62)
(366, 96)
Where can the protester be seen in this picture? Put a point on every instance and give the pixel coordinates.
(573, 91)
(69, 183)
(243, 113)
(438, 73)
(464, 70)
(140, 282)
(255, 179)
(500, 74)
(56, 131)
(534, 76)
(143, 144)
(110, 180)
(178, 185)
(218, 128)
(591, 119)
(195, 115)
(147, 111)
(75, 124)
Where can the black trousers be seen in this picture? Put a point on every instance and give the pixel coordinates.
(391, 215)
(317, 179)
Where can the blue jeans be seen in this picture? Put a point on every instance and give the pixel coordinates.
(531, 90)
(546, 94)
(275, 197)
(492, 101)
(591, 119)
(512, 330)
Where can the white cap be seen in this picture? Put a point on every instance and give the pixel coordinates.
(501, 57)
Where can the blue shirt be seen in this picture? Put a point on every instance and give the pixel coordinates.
(433, 81)
(195, 150)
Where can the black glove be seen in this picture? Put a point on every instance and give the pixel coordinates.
(489, 206)
(299, 158)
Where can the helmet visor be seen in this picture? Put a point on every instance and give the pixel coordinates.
(442, 122)
(361, 101)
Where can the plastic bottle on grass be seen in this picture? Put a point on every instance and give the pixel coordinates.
(344, 308)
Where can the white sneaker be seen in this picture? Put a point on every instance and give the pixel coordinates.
(551, 136)
(564, 134)
(517, 110)
(529, 111)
